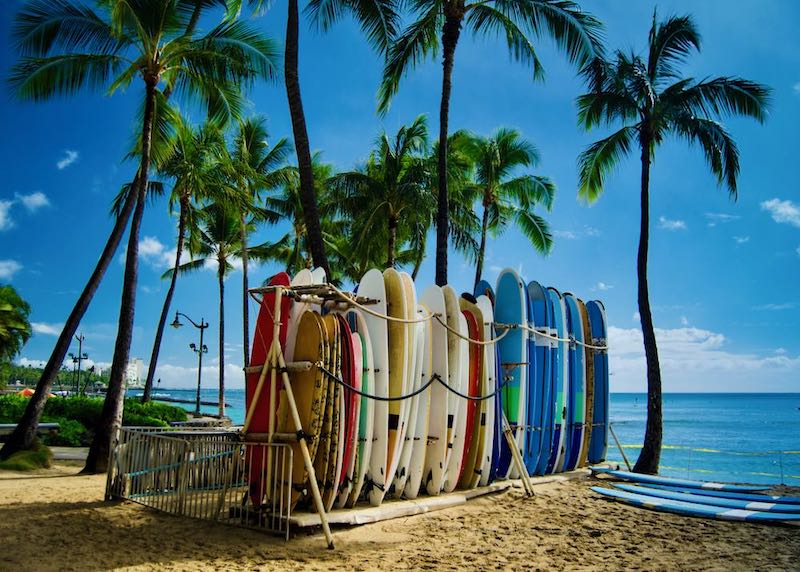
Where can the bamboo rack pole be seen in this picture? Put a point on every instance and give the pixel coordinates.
(624, 457)
(516, 457)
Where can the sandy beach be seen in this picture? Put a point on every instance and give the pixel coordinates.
(57, 520)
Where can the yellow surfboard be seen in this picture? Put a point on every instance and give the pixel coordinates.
(589, 363)
(398, 365)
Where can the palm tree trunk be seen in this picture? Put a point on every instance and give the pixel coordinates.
(391, 245)
(482, 249)
(245, 304)
(111, 415)
(650, 455)
(221, 279)
(24, 433)
(450, 34)
(162, 321)
(307, 195)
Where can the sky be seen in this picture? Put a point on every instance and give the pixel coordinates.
(723, 275)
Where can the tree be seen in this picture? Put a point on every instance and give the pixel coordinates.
(193, 165)
(67, 47)
(15, 328)
(253, 167)
(378, 20)
(389, 196)
(216, 241)
(652, 101)
(504, 197)
(438, 23)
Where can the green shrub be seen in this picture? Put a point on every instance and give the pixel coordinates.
(12, 407)
(37, 457)
(70, 433)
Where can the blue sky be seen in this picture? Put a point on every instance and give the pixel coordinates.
(723, 275)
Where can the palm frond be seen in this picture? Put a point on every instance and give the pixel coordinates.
(37, 79)
(721, 96)
(535, 229)
(483, 18)
(670, 42)
(378, 19)
(719, 148)
(599, 159)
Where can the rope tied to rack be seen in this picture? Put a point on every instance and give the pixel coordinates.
(568, 340)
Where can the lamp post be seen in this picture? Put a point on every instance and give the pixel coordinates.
(76, 361)
(199, 350)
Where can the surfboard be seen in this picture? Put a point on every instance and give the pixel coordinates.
(453, 472)
(262, 341)
(541, 435)
(354, 416)
(436, 447)
(598, 442)
(485, 289)
(328, 452)
(751, 497)
(351, 375)
(367, 408)
(560, 381)
(689, 484)
(488, 387)
(511, 308)
(695, 509)
(309, 388)
(454, 380)
(576, 408)
(474, 434)
(319, 276)
(372, 286)
(714, 501)
(589, 366)
(302, 278)
(416, 465)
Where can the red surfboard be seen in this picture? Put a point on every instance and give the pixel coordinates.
(351, 398)
(262, 341)
(474, 382)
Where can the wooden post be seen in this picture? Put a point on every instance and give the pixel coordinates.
(275, 350)
(614, 435)
(516, 457)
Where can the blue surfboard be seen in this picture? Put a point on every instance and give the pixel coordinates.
(560, 385)
(695, 509)
(483, 288)
(671, 494)
(577, 378)
(533, 437)
(686, 483)
(540, 314)
(598, 443)
(752, 497)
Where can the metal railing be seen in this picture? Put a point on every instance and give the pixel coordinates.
(204, 474)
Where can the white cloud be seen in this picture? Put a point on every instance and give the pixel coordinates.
(741, 239)
(669, 224)
(176, 376)
(782, 211)
(34, 201)
(694, 359)
(47, 329)
(8, 268)
(684, 321)
(5, 218)
(69, 158)
(25, 362)
(720, 218)
(782, 306)
(568, 234)
(637, 317)
(602, 286)
(576, 234)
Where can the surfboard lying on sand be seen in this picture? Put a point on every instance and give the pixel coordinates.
(695, 509)
(714, 501)
(755, 497)
(659, 480)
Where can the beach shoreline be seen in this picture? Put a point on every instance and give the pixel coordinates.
(57, 520)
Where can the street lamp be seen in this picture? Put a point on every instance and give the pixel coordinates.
(76, 361)
(198, 349)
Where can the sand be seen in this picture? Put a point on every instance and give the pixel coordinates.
(57, 520)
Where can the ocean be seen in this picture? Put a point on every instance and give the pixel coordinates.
(745, 437)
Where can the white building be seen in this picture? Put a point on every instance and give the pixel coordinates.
(134, 373)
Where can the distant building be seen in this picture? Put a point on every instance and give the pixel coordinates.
(134, 373)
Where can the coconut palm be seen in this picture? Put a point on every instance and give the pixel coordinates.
(193, 165)
(437, 24)
(378, 20)
(215, 241)
(67, 47)
(652, 100)
(15, 329)
(505, 197)
(252, 167)
(389, 192)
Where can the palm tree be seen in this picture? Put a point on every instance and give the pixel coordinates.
(15, 329)
(505, 197)
(378, 20)
(216, 241)
(66, 47)
(252, 167)
(193, 165)
(651, 99)
(573, 30)
(389, 196)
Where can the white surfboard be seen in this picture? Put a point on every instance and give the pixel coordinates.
(372, 286)
(436, 449)
(302, 278)
(453, 472)
(320, 277)
(453, 379)
(417, 462)
(488, 386)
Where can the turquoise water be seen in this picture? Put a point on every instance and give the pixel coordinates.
(724, 436)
